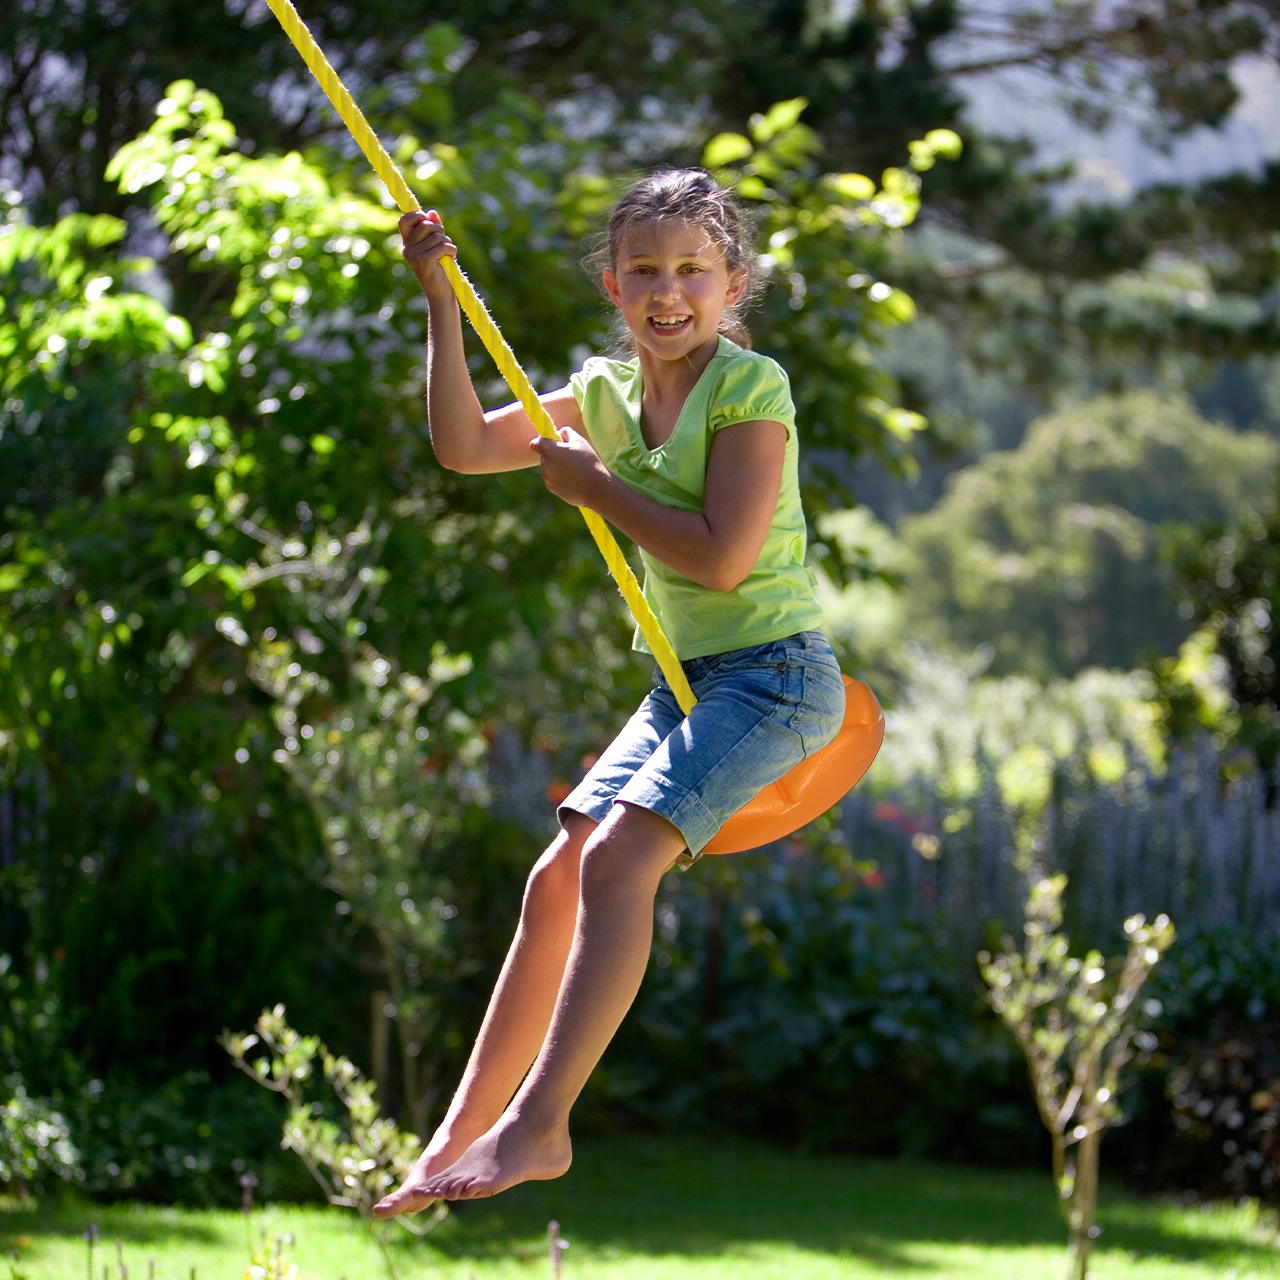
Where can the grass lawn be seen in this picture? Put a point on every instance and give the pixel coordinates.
(645, 1208)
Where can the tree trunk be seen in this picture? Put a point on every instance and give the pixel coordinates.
(380, 1046)
(1084, 1198)
(418, 1094)
(714, 958)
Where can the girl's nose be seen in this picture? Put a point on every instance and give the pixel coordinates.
(666, 288)
(666, 292)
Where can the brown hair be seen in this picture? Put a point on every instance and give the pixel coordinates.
(689, 195)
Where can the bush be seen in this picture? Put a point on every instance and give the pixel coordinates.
(1204, 1119)
(782, 999)
(186, 1141)
(35, 1141)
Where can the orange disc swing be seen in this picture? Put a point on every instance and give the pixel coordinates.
(816, 783)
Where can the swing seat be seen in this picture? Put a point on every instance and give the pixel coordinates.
(815, 784)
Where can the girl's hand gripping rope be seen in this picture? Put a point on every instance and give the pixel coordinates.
(425, 243)
(571, 468)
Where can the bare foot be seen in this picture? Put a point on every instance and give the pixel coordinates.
(410, 1196)
(511, 1152)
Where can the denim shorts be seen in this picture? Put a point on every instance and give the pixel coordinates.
(760, 712)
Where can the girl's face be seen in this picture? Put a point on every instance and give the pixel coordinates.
(672, 285)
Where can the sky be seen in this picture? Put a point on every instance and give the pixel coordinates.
(1111, 165)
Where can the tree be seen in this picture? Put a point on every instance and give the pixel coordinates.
(120, 609)
(355, 1161)
(175, 470)
(1048, 298)
(1048, 553)
(1077, 1038)
(1228, 574)
(77, 81)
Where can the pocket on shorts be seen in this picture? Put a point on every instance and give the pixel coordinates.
(820, 713)
(774, 653)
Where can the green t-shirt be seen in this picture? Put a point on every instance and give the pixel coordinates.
(776, 598)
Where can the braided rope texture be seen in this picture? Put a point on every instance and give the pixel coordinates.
(490, 335)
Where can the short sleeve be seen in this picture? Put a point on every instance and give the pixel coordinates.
(580, 382)
(753, 388)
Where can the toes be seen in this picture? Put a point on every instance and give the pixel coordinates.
(405, 1200)
(388, 1206)
(462, 1188)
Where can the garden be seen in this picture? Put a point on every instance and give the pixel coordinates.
(286, 707)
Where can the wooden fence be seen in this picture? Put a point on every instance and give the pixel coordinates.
(1205, 852)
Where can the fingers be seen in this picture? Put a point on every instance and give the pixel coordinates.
(427, 240)
(424, 237)
(418, 218)
(545, 445)
(425, 243)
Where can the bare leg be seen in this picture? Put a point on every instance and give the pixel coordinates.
(622, 865)
(519, 1012)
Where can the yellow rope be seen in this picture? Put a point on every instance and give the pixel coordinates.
(490, 335)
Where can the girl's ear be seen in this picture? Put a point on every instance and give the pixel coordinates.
(610, 282)
(738, 280)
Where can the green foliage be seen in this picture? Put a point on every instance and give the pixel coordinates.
(828, 240)
(184, 1140)
(1033, 551)
(355, 1162)
(268, 1261)
(1214, 973)
(1209, 1119)
(873, 72)
(35, 1141)
(1229, 577)
(1068, 1028)
(171, 471)
(1077, 1037)
(1191, 692)
(953, 728)
(387, 789)
(129, 584)
(784, 994)
(36, 1144)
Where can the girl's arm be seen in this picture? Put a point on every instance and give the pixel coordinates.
(716, 547)
(464, 437)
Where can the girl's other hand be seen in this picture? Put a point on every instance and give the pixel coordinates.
(571, 468)
(425, 243)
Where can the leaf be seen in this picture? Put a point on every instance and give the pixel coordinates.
(724, 149)
(901, 306)
(779, 117)
(853, 186)
(945, 142)
(179, 330)
(11, 576)
(904, 423)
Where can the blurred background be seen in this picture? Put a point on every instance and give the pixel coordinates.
(285, 708)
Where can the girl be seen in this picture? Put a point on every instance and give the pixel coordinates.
(689, 448)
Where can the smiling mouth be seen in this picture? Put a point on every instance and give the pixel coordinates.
(670, 324)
